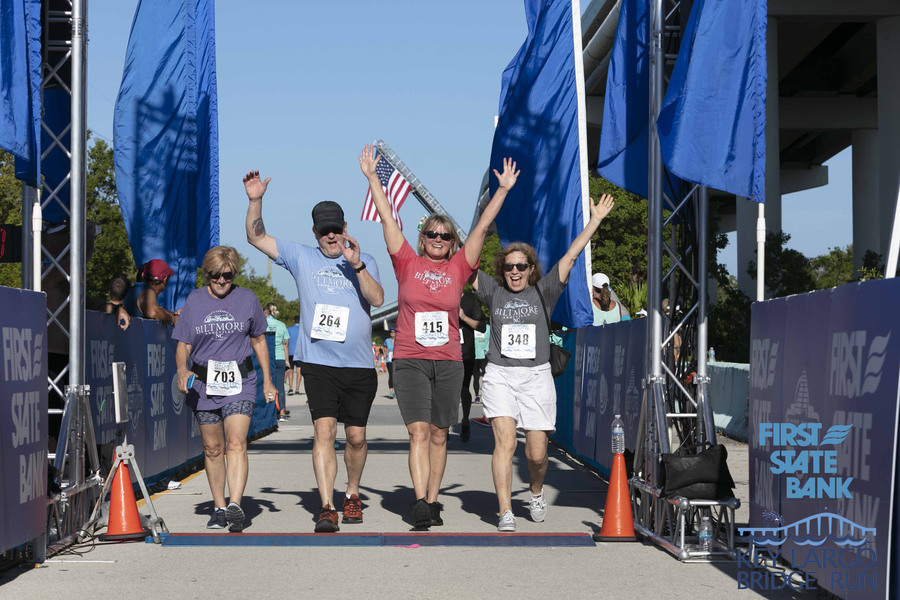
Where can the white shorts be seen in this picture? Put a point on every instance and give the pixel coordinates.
(526, 394)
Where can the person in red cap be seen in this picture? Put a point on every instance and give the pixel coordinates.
(141, 301)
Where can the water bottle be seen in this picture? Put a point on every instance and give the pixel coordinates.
(706, 534)
(712, 354)
(618, 435)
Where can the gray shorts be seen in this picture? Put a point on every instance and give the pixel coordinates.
(428, 390)
(217, 415)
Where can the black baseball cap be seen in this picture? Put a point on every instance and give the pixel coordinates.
(327, 214)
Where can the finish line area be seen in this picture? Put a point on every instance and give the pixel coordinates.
(409, 540)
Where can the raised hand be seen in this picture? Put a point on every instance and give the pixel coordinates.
(350, 249)
(254, 186)
(366, 161)
(507, 179)
(601, 208)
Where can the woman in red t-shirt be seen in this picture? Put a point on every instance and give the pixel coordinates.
(428, 369)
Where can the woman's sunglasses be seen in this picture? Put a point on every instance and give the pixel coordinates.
(508, 267)
(228, 275)
(433, 234)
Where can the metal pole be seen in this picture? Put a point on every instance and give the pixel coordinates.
(890, 269)
(705, 426)
(654, 233)
(77, 199)
(37, 227)
(761, 253)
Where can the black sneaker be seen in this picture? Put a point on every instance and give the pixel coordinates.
(234, 515)
(217, 520)
(435, 508)
(421, 514)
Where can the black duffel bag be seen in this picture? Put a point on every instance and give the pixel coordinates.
(702, 475)
(559, 356)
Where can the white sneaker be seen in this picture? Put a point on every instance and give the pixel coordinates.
(507, 522)
(538, 508)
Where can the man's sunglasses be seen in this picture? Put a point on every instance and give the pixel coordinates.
(433, 234)
(333, 229)
(508, 267)
(228, 275)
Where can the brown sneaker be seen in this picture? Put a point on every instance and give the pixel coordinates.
(328, 521)
(352, 509)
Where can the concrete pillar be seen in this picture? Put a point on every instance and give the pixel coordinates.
(865, 194)
(747, 211)
(888, 157)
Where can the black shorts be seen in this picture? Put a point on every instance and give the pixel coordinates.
(343, 393)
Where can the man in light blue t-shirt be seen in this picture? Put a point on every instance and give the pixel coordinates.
(337, 286)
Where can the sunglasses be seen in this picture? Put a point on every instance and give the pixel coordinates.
(333, 229)
(434, 234)
(228, 275)
(508, 267)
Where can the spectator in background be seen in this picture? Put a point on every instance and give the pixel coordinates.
(276, 328)
(118, 289)
(471, 319)
(389, 344)
(482, 340)
(142, 299)
(292, 373)
(606, 305)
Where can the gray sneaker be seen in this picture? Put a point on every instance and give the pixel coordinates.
(235, 517)
(507, 522)
(538, 508)
(217, 520)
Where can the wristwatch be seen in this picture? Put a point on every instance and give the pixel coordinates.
(360, 267)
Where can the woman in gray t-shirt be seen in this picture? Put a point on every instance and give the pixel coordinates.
(517, 391)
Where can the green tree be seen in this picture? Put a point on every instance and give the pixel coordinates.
(619, 248)
(112, 255)
(10, 214)
(833, 268)
(788, 271)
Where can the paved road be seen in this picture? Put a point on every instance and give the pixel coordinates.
(281, 498)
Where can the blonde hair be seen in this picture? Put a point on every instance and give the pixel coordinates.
(530, 256)
(221, 258)
(429, 224)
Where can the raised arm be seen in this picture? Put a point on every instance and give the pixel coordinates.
(475, 242)
(256, 230)
(599, 211)
(393, 237)
(371, 289)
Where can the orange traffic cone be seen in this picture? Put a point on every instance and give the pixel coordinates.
(618, 523)
(124, 519)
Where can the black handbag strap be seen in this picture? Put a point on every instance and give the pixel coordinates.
(544, 306)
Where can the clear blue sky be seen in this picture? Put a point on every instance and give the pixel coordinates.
(303, 85)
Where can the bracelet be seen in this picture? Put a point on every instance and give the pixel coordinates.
(360, 268)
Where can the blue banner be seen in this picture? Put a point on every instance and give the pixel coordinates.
(624, 142)
(538, 128)
(823, 425)
(23, 418)
(165, 136)
(20, 86)
(713, 120)
(609, 365)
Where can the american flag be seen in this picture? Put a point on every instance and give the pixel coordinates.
(395, 187)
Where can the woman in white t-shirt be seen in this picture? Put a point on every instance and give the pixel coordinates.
(517, 392)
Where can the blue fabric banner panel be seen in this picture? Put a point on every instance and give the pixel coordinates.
(20, 83)
(830, 444)
(23, 420)
(713, 120)
(165, 135)
(624, 142)
(538, 128)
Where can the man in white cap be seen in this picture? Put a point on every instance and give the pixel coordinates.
(606, 304)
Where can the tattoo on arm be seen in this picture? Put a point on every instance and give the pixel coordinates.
(258, 227)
